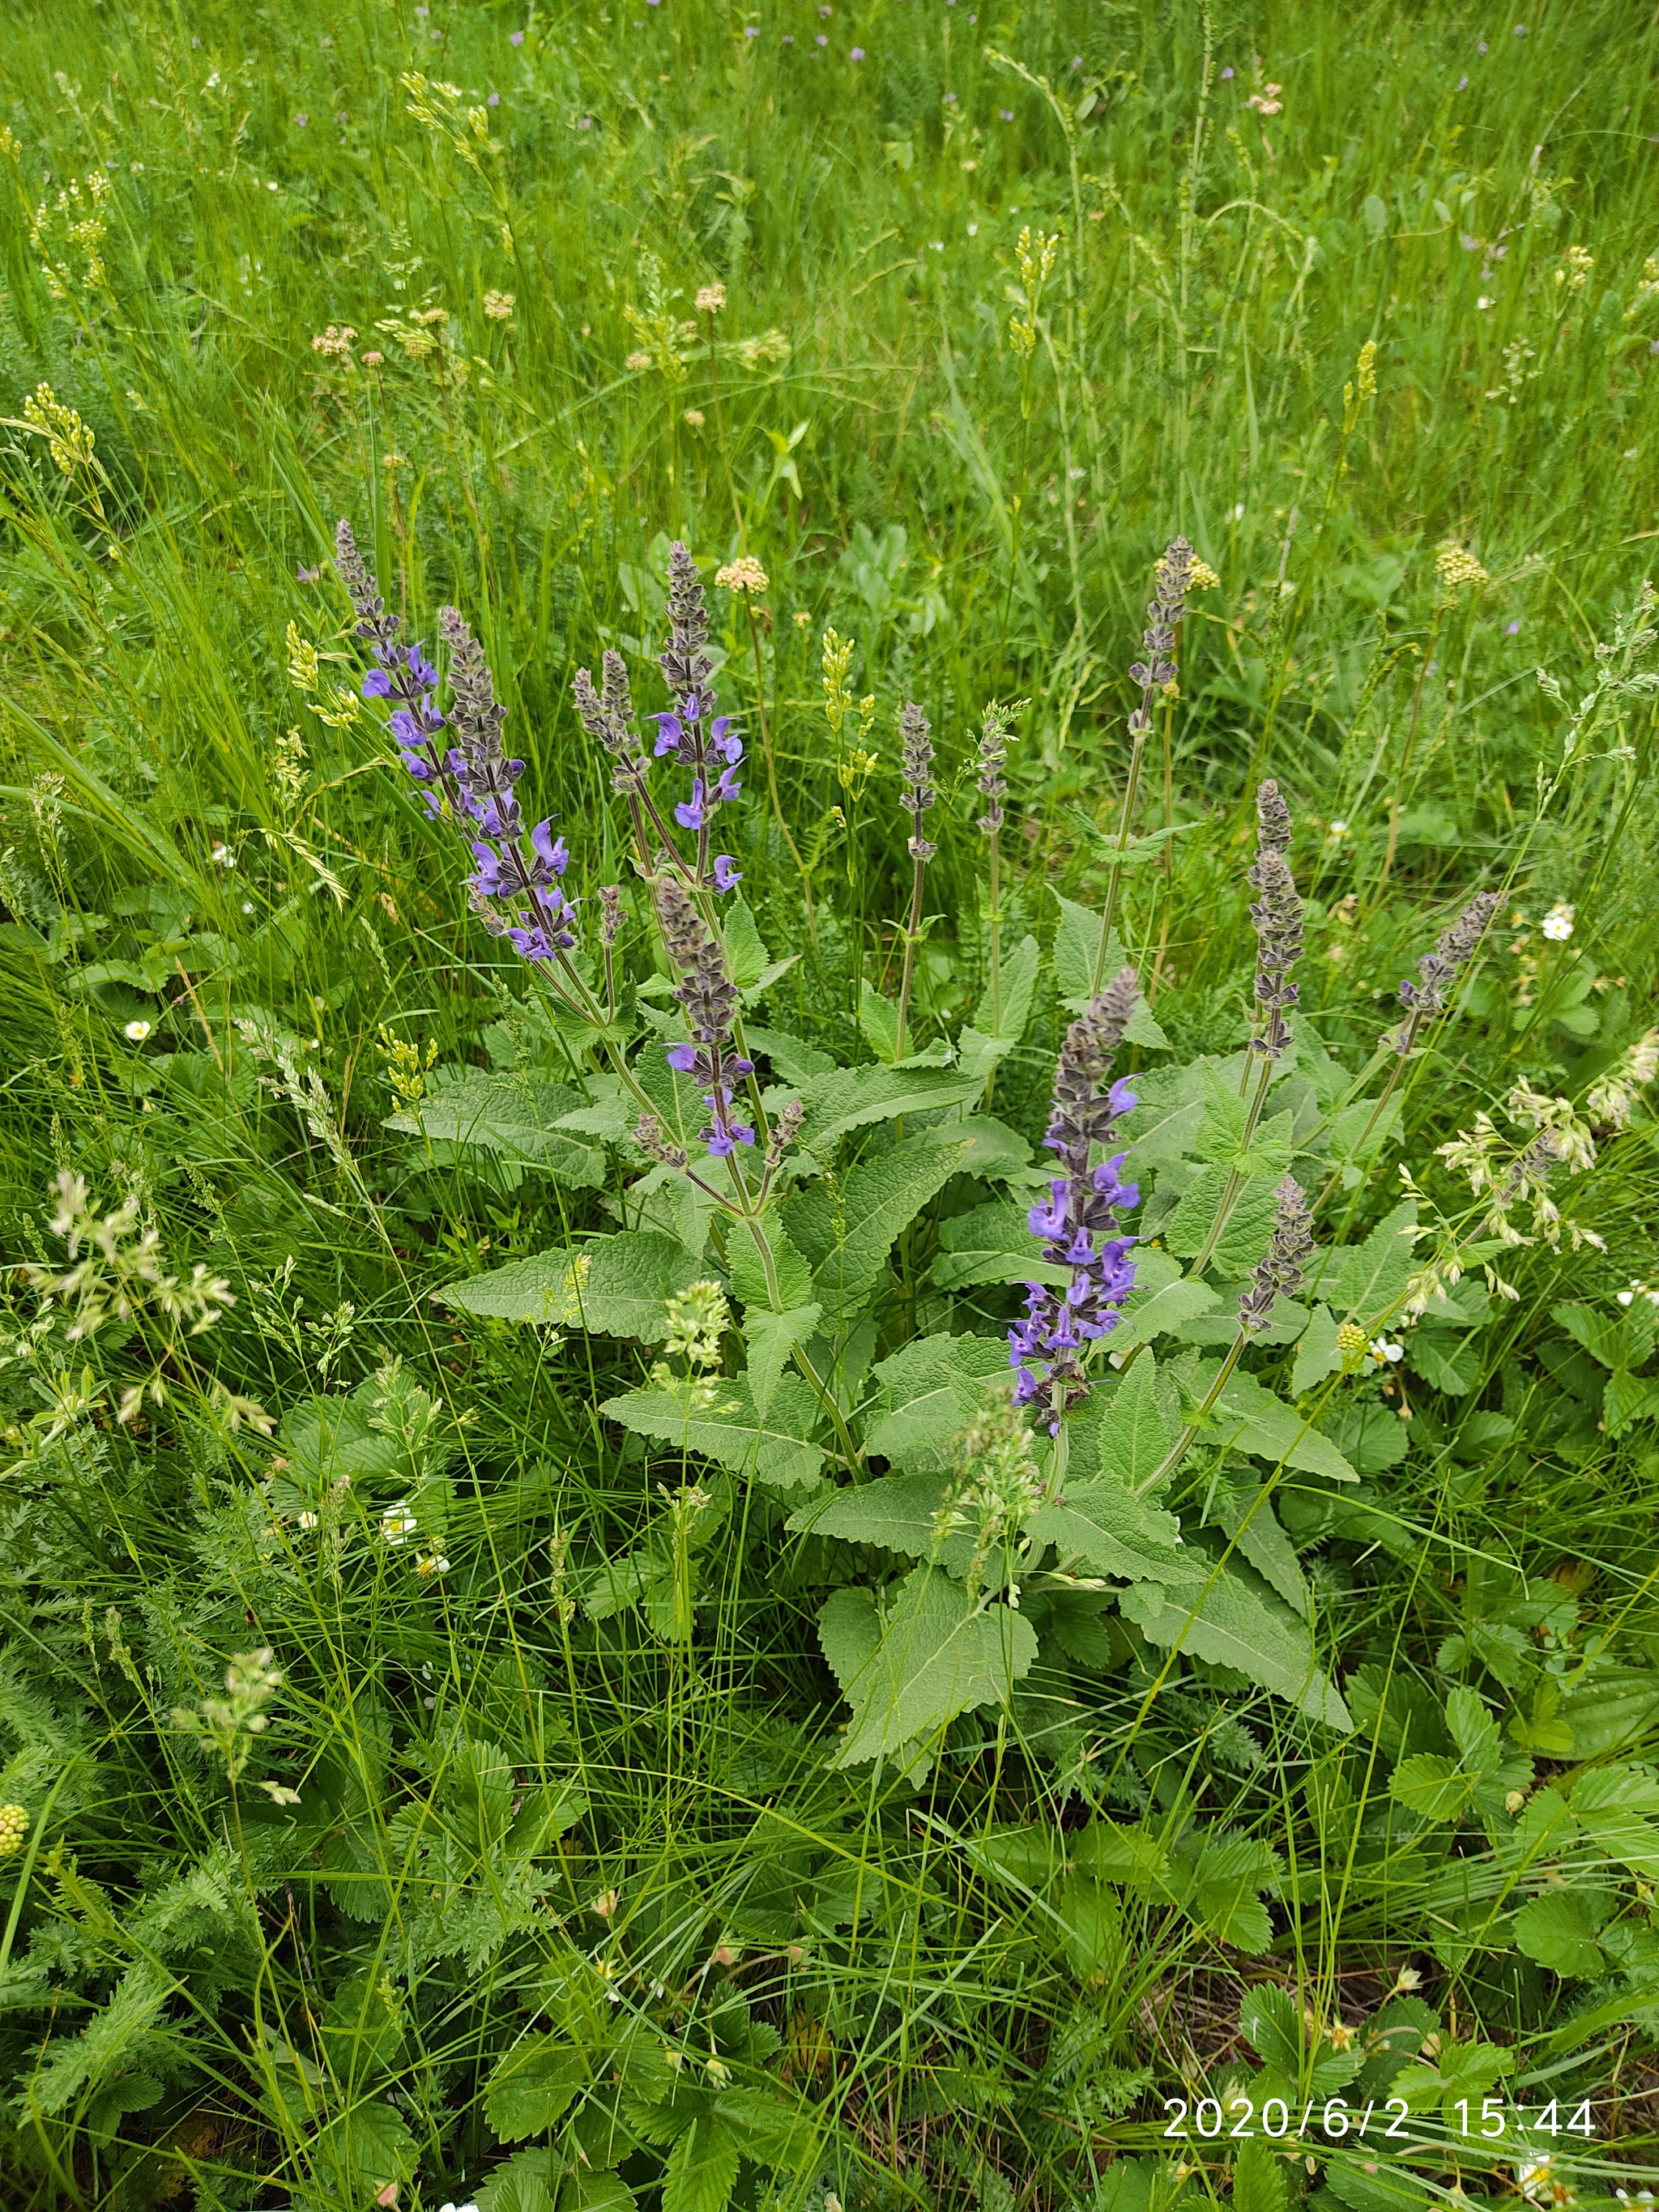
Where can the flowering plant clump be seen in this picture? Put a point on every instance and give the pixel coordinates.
(799, 1191)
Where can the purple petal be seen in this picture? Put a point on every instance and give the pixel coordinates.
(554, 852)
(377, 684)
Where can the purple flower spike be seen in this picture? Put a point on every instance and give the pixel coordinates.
(421, 669)
(727, 874)
(377, 684)
(669, 731)
(1079, 1220)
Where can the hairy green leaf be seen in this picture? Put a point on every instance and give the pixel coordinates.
(992, 1244)
(775, 1448)
(932, 1389)
(928, 1650)
(771, 1337)
(1226, 1614)
(848, 1232)
(511, 1114)
(613, 1286)
(1371, 1278)
(846, 1098)
(533, 2085)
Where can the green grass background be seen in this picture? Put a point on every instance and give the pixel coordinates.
(1476, 195)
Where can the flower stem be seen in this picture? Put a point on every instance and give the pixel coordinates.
(1183, 1443)
(912, 938)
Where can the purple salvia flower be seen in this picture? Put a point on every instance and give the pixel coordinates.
(404, 674)
(1078, 1222)
(727, 873)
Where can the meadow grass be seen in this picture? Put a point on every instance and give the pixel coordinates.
(1010, 297)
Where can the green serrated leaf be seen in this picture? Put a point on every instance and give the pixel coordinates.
(992, 1244)
(1249, 1223)
(1017, 988)
(1223, 1897)
(1617, 1808)
(513, 1114)
(743, 1264)
(931, 1389)
(1249, 1418)
(771, 1337)
(1226, 1614)
(1317, 1354)
(878, 1023)
(1559, 1930)
(931, 1650)
(612, 1285)
(1347, 1127)
(702, 2167)
(1253, 1527)
(848, 1233)
(846, 1098)
(1140, 1426)
(1101, 1527)
(1147, 1316)
(533, 2085)
(1077, 953)
(1430, 1785)
(1092, 1923)
(793, 1061)
(1144, 1028)
(1221, 1131)
(1270, 2022)
(995, 1153)
(1259, 2182)
(775, 1448)
(897, 1511)
(1372, 1277)
(748, 955)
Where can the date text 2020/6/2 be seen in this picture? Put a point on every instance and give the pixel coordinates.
(1483, 2118)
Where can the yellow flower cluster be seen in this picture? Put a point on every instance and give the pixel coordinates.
(1456, 566)
(14, 1830)
(744, 575)
(68, 440)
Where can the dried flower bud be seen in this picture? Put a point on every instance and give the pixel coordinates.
(916, 792)
(1279, 1273)
(1277, 919)
(649, 1137)
(1440, 969)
